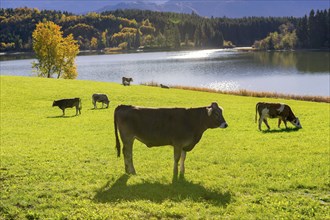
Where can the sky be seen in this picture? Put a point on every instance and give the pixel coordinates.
(229, 8)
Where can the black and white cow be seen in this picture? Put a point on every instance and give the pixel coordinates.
(126, 81)
(276, 110)
(68, 103)
(97, 97)
(164, 86)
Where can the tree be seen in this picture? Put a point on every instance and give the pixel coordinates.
(137, 38)
(55, 54)
(285, 40)
(302, 32)
(104, 39)
(94, 43)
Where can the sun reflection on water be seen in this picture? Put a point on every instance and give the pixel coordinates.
(196, 54)
(223, 85)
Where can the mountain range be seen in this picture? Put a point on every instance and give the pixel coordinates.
(208, 8)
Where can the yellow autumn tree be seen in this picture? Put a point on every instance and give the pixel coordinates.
(94, 43)
(55, 54)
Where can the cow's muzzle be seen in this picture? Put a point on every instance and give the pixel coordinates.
(224, 125)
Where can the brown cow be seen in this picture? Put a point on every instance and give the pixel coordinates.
(276, 110)
(180, 127)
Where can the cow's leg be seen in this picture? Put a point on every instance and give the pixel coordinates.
(266, 123)
(177, 155)
(260, 122)
(102, 104)
(77, 109)
(63, 110)
(279, 122)
(285, 123)
(183, 158)
(128, 156)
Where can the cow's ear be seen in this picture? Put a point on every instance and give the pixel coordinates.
(209, 111)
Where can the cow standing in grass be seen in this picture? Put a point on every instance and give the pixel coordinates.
(180, 127)
(68, 103)
(126, 81)
(164, 86)
(100, 98)
(275, 110)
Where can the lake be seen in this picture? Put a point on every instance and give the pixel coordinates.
(294, 72)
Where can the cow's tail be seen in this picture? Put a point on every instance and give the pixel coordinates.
(256, 112)
(116, 134)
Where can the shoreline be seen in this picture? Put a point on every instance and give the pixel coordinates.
(241, 92)
(148, 50)
(249, 93)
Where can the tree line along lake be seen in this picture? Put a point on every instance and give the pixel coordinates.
(287, 72)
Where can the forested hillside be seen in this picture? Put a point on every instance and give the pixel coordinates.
(131, 29)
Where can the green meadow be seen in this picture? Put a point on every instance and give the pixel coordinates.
(55, 167)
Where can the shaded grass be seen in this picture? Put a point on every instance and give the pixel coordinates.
(292, 129)
(244, 92)
(55, 167)
(157, 192)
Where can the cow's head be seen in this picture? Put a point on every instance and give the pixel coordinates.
(216, 118)
(54, 104)
(296, 123)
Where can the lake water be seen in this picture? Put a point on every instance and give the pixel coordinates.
(300, 72)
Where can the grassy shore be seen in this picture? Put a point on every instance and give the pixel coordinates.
(55, 167)
(244, 92)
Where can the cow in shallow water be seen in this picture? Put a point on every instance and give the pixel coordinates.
(275, 110)
(180, 127)
(100, 98)
(68, 103)
(126, 81)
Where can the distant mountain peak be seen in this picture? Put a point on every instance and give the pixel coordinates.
(208, 8)
(168, 6)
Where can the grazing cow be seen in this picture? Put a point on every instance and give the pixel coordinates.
(68, 103)
(180, 127)
(126, 81)
(164, 86)
(100, 98)
(276, 110)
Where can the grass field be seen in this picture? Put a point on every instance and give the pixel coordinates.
(55, 167)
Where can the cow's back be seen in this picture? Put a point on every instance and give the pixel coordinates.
(156, 127)
(100, 97)
(68, 103)
(271, 109)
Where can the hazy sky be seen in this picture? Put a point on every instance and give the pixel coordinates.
(238, 8)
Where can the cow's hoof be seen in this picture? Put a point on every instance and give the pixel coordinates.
(175, 179)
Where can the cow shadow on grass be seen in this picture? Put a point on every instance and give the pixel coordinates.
(157, 192)
(96, 109)
(281, 130)
(61, 116)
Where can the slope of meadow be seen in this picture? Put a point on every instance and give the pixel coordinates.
(66, 167)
